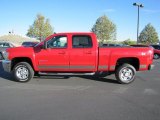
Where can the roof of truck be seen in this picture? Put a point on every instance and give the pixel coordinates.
(74, 33)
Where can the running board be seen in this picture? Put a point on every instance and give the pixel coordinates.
(69, 74)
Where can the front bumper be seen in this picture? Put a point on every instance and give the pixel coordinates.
(6, 65)
(150, 67)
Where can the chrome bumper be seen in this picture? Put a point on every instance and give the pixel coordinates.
(6, 65)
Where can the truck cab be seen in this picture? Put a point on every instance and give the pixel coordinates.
(67, 52)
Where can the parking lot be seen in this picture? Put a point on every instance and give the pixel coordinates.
(81, 98)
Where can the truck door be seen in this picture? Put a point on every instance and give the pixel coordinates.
(55, 57)
(83, 54)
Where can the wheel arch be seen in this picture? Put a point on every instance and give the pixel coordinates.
(129, 60)
(21, 59)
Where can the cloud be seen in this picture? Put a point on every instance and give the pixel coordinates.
(109, 10)
(148, 11)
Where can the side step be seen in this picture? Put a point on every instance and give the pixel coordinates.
(69, 74)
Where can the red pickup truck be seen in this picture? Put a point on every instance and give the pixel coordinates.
(76, 54)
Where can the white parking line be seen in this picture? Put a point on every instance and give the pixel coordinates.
(121, 90)
(150, 92)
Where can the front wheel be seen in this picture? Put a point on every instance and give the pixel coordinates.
(125, 74)
(23, 72)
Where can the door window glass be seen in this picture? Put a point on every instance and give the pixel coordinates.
(57, 42)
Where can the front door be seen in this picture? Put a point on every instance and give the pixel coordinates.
(55, 57)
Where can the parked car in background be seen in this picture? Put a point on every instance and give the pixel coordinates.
(4, 46)
(156, 47)
(156, 51)
(29, 44)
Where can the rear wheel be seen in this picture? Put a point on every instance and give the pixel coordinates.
(156, 56)
(125, 74)
(23, 72)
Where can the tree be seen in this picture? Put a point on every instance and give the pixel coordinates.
(129, 42)
(148, 35)
(41, 28)
(104, 29)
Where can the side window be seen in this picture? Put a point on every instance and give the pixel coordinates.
(57, 42)
(81, 41)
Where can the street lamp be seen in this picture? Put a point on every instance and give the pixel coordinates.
(139, 6)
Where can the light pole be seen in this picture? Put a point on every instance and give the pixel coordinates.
(139, 6)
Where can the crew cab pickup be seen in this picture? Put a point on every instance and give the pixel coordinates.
(76, 54)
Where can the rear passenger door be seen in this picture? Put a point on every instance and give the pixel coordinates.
(82, 54)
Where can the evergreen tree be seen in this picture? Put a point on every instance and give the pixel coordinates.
(40, 29)
(104, 29)
(148, 35)
(129, 42)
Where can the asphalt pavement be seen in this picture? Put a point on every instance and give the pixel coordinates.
(81, 98)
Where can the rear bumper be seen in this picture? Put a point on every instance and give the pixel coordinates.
(150, 67)
(6, 65)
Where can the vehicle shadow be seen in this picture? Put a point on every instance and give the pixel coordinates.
(9, 77)
(100, 79)
(93, 78)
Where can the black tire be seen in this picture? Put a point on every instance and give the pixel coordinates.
(23, 72)
(125, 74)
(156, 56)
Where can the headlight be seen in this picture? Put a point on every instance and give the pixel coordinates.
(5, 55)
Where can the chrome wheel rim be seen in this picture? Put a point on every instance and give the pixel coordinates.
(22, 73)
(126, 75)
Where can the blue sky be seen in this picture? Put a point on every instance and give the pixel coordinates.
(78, 15)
